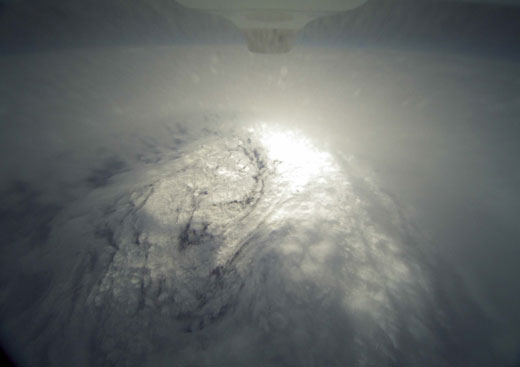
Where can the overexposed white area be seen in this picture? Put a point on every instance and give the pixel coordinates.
(322, 207)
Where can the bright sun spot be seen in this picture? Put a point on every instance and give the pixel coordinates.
(298, 160)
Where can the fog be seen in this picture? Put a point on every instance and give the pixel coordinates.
(183, 201)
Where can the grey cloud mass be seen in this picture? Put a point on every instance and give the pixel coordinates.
(196, 204)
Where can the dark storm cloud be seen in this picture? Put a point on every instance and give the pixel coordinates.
(487, 28)
(5, 359)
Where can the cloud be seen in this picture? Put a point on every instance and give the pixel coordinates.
(196, 223)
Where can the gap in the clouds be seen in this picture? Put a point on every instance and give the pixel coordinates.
(5, 359)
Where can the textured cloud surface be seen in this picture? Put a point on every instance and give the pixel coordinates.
(228, 255)
(194, 206)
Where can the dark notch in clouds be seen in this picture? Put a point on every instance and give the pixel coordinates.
(24, 213)
(455, 26)
(101, 176)
(5, 360)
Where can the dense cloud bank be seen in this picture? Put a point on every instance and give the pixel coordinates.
(225, 255)
(484, 28)
(208, 206)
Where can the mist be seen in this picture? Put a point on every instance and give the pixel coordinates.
(169, 198)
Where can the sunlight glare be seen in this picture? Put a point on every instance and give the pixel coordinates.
(297, 159)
